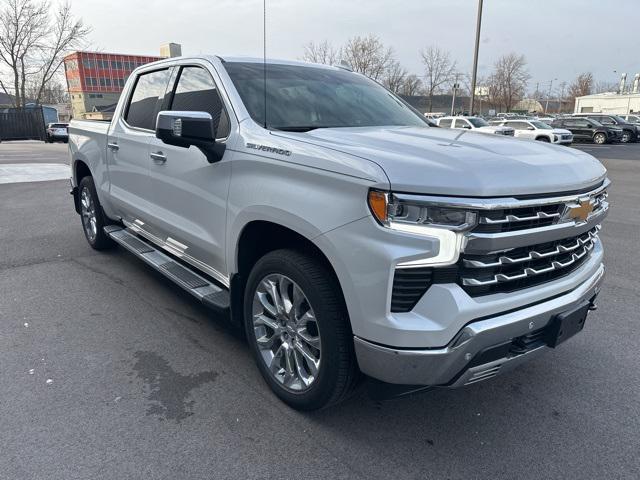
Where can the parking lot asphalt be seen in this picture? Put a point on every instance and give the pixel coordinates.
(108, 371)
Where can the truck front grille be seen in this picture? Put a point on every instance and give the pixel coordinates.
(524, 267)
(495, 257)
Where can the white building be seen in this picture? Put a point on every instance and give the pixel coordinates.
(614, 103)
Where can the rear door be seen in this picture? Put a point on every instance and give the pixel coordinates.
(189, 193)
(521, 129)
(128, 147)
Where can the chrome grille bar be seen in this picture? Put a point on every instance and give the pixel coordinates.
(585, 246)
(533, 254)
(515, 218)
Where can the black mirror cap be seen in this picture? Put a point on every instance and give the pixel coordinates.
(184, 129)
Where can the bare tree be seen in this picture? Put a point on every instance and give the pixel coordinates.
(602, 87)
(368, 55)
(395, 77)
(33, 43)
(581, 86)
(412, 85)
(323, 52)
(439, 69)
(509, 79)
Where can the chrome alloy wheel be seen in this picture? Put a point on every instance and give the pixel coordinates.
(88, 212)
(286, 331)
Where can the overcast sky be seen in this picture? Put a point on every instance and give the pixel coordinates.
(559, 38)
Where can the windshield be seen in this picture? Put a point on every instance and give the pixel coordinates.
(618, 119)
(478, 122)
(301, 98)
(541, 125)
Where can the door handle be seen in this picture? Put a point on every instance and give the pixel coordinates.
(158, 157)
(113, 146)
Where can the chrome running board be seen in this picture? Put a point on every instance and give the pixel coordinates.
(209, 293)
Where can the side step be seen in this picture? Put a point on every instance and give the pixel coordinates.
(209, 293)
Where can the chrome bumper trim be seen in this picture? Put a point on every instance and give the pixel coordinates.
(439, 366)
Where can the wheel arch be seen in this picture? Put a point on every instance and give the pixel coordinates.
(256, 239)
(79, 171)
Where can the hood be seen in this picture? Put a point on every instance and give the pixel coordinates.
(458, 162)
(561, 131)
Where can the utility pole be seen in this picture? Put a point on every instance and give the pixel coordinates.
(546, 105)
(455, 88)
(475, 57)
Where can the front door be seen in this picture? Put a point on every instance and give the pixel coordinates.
(128, 145)
(189, 193)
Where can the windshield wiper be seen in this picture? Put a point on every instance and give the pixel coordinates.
(296, 128)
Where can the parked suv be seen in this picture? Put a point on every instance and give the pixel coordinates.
(537, 130)
(476, 124)
(57, 132)
(585, 129)
(630, 132)
(324, 217)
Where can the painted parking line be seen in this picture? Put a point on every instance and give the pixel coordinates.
(33, 172)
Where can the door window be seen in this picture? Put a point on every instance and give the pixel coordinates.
(605, 120)
(147, 95)
(196, 91)
(461, 123)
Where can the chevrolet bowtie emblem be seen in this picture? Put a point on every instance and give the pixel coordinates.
(581, 211)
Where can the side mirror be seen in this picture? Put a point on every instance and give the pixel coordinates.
(184, 129)
(530, 128)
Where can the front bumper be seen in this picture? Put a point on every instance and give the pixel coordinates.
(456, 364)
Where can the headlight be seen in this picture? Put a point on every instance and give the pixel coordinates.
(394, 212)
(445, 224)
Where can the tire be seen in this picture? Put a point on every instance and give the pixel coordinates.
(337, 372)
(543, 139)
(626, 136)
(600, 138)
(91, 216)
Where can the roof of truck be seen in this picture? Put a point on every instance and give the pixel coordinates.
(278, 61)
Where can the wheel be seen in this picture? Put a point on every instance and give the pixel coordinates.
(91, 214)
(599, 138)
(543, 139)
(298, 330)
(626, 136)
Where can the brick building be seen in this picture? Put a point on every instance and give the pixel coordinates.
(96, 79)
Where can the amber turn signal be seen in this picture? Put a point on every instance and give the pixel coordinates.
(378, 205)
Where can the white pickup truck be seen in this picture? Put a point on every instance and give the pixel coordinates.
(344, 235)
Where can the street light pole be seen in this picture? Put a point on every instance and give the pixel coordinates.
(475, 57)
(453, 98)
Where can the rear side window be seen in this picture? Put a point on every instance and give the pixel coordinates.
(196, 91)
(445, 122)
(147, 95)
